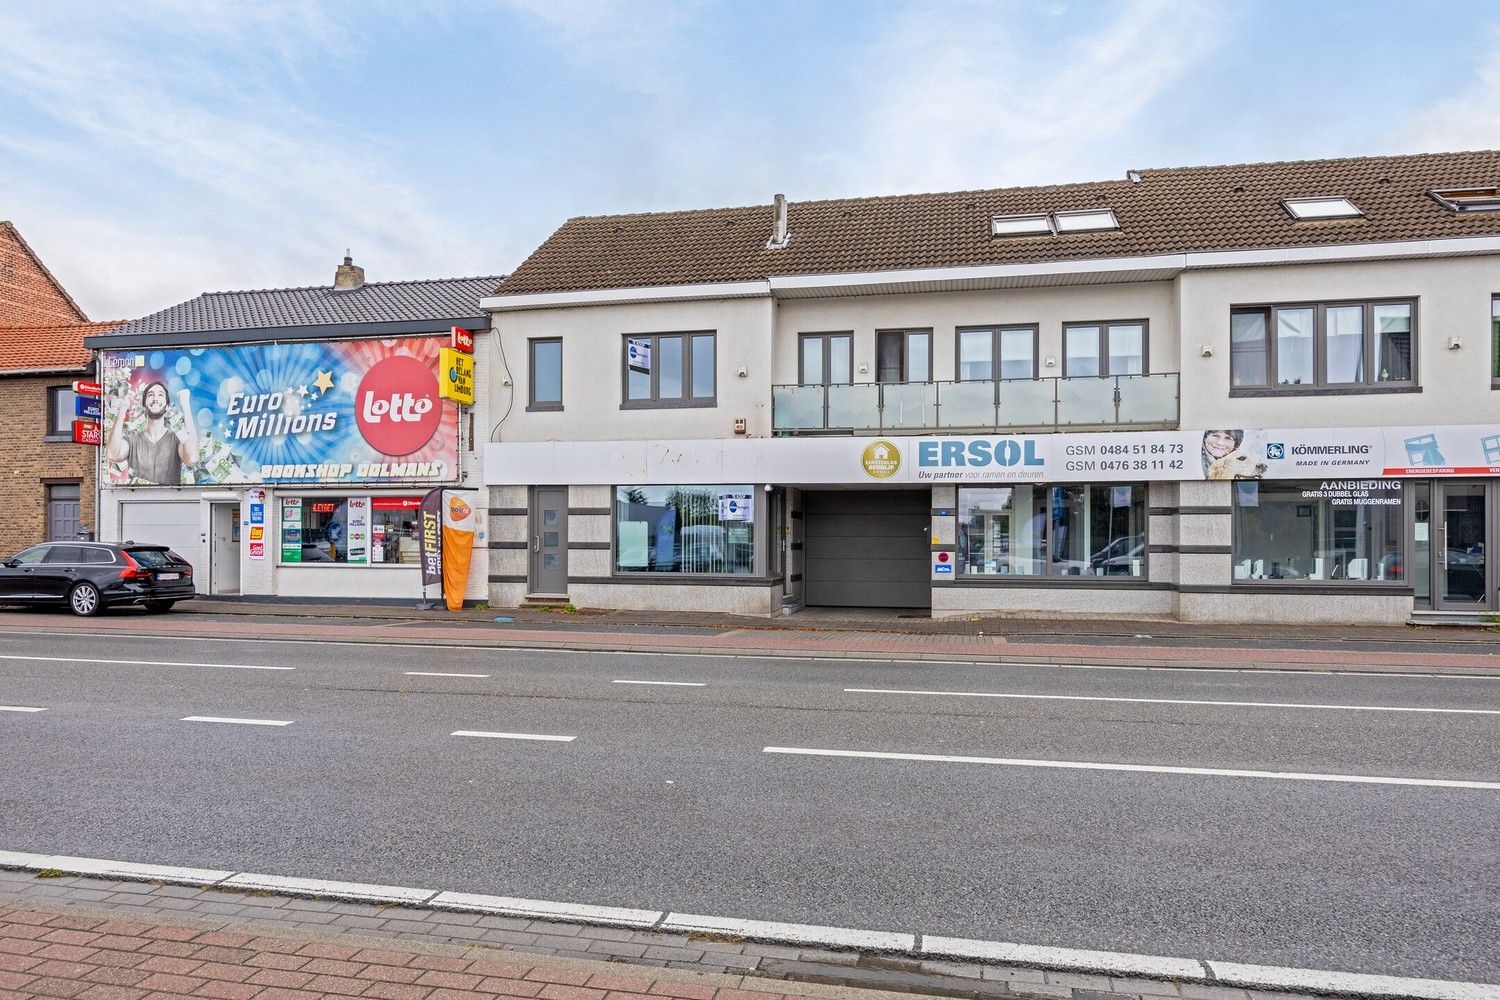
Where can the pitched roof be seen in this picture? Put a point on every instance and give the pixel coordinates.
(320, 305)
(48, 348)
(1173, 210)
(61, 305)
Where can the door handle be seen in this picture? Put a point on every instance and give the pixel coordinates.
(536, 543)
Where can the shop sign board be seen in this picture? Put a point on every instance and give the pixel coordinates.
(461, 340)
(88, 407)
(457, 382)
(87, 432)
(736, 506)
(638, 355)
(82, 388)
(1344, 453)
(356, 411)
(430, 537)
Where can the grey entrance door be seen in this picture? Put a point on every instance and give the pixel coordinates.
(868, 549)
(64, 508)
(1464, 575)
(549, 541)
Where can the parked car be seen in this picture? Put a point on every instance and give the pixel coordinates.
(87, 577)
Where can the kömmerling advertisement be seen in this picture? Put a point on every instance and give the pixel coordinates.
(365, 411)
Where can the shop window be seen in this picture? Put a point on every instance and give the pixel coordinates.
(62, 407)
(670, 369)
(686, 529)
(546, 374)
(1319, 531)
(1322, 346)
(357, 531)
(1065, 530)
(1114, 348)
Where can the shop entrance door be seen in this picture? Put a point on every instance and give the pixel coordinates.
(1463, 573)
(224, 549)
(549, 541)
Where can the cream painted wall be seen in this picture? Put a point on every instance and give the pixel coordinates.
(592, 338)
(1453, 301)
(944, 312)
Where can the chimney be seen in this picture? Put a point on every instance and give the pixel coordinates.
(780, 237)
(349, 275)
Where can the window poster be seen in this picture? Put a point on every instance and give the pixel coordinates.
(291, 529)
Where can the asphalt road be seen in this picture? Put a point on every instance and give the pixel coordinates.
(666, 798)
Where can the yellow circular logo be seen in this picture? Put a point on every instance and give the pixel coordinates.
(881, 459)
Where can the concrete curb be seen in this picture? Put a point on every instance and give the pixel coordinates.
(1206, 971)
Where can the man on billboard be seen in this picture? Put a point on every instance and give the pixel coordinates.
(154, 454)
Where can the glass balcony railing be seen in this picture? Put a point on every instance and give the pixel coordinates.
(1047, 404)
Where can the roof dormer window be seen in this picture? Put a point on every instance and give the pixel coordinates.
(1020, 225)
(1091, 221)
(1481, 199)
(1308, 209)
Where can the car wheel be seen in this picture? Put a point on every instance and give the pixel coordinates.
(83, 600)
(158, 607)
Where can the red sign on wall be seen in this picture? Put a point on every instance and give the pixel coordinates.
(87, 432)
(461, 340)
(81, 388)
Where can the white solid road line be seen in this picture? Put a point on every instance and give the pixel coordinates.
(20, 708)
(436, 673)
(143, 663)
(673, 684)
(237, 722)
(515, 736)
(1177, 701)
(1083, 765)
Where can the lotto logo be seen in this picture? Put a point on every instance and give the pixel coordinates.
(396, 405)
(1276, 451)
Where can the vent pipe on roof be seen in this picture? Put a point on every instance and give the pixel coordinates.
(349, 275)
(780, 236)
(1133, 176)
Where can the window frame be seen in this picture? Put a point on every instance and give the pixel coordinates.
(1494, 341)
(995, 330)
(1104, 326)
(826, 338)
(532, 405)
(1320, 386)
(906, 334)
(1405, 514)
(1049, 578)
(64, 432)
(760, 541)
(655, 401)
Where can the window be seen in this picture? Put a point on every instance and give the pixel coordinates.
(1054, 223)
(1015, 346)
(79, 555)
(61, 409)
(32, 556)
(1074, 529)
(685, 529)
(826, 359)
(359, 531)
(670, 369)
(393, 530)
(1114, 348)
(1091, 221)
(1319, 530)
(1020, 225)
(1495, 341)
(1483, 199)
(1322, 345)
(903, 356)
(546, 374)
(1321, 208)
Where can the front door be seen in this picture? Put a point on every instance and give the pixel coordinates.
(549, 541)
(224, 549)
(1463, 573)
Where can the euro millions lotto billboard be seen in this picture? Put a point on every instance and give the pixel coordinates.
(353, 411)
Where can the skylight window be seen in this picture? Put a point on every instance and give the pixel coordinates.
(1321, 208)
(1020, 225)
(1090, 221)
(1485, 199)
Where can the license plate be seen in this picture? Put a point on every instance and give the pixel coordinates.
(169, 576)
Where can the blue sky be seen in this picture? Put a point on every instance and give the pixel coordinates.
(154, 149)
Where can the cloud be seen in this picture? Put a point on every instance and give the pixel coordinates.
(964, 95)
(183, 105)
(1470, 119)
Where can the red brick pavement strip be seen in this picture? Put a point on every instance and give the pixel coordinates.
(109, 958)
(881, 646)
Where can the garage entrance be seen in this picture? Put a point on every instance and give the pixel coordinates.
(867, 549)
(173, 523)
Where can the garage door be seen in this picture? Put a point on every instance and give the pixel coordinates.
(170, 523)
(867, 549)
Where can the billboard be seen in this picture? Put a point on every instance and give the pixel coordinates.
(354, 411)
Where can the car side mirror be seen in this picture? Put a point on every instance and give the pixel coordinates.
(12, 563)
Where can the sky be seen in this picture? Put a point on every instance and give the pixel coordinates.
(152, 150)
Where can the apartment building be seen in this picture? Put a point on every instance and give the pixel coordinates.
(1261, 392)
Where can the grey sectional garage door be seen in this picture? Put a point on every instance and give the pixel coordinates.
(867, 549)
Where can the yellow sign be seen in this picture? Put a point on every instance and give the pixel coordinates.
(257, 532)
(456, 381)
(881, 460)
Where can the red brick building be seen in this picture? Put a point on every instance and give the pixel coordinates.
(46, 481)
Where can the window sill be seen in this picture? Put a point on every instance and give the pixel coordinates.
(58, 438)
(668, 404)
(1248, 392)
(1024, 580)
(544, 408)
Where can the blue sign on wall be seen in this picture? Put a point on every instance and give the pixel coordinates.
(89, 407)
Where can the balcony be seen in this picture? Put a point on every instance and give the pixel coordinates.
(1113, 402)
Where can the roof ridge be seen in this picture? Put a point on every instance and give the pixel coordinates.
(368, 284)
(1315, 159)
